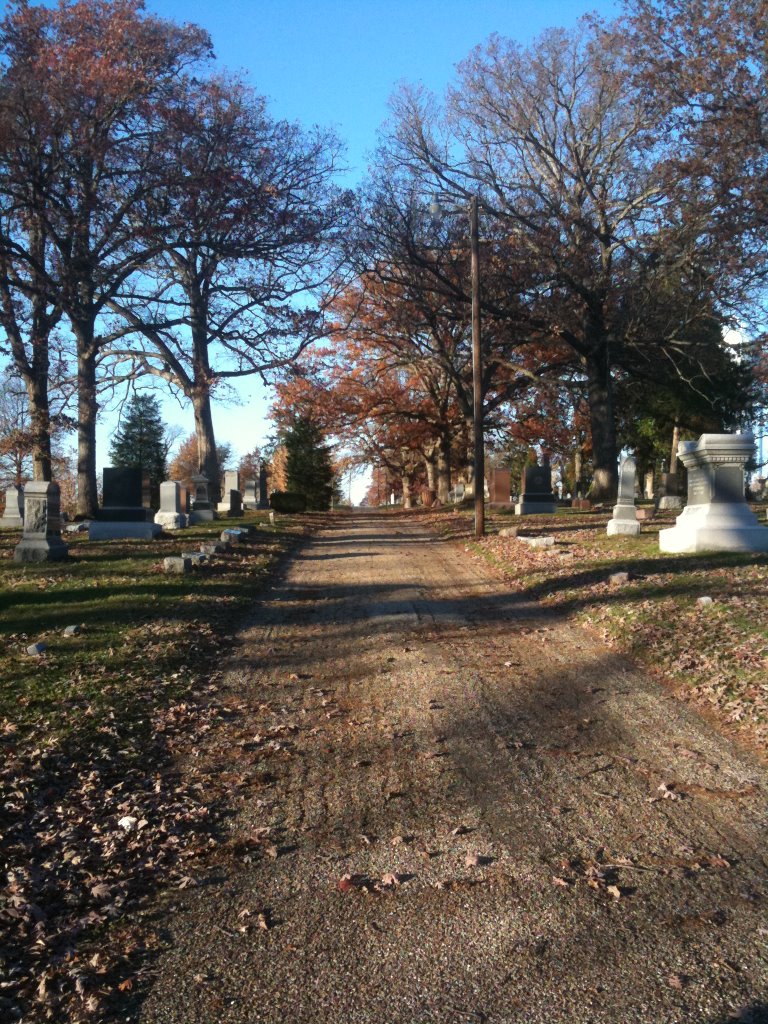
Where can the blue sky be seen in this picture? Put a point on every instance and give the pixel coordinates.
(336, 63)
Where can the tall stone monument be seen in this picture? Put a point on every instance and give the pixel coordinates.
(250, 498)
(202, 507)
(263, 486)
(170, 516)
(231, 503)
(717, 517)
(14, 508)
(41, 541)
(537, 497)
(624, 519)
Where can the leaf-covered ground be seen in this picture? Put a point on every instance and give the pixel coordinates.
(715, 653)
(101, 803)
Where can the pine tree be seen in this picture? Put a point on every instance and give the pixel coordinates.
(140, 441)
(308, 463)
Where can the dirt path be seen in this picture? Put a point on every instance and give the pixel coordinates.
(413, 716)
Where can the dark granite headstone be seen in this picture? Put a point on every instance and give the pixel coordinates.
(123, 495)
(263, 486)
(537, 496)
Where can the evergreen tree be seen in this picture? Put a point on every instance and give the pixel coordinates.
(140, 440)
(308, 463)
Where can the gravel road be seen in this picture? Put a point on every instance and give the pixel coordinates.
(472, 811)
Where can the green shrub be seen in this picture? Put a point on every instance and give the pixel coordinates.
(287, 501)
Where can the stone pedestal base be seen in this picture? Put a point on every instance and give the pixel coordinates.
(101, 530)
(11, 523)
(171, 520)
(670, 501)
(715, 527)
(41, 550)
(535, 508)
(202, 515)
(623, 527)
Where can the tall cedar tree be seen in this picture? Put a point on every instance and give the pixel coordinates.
(309, 468)
(140, 440)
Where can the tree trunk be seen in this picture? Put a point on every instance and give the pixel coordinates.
(40, 416)
(207, 457)
(406, 484)
(600, 394)
(444, 470)
(430, 465)
(87, 409)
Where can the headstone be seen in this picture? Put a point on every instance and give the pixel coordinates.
(538, 542)
(263, 486)
(669, 495)
(233, 506)
(170, 515)
(123, 495)
(717, 517)
(499, 486)
(195, 557)
(232, 500)
(624, 521)
(250, 498)
(14, 508)
(177, 566)
(648, 490)
(41, 540)
(537, 497)
(202, 508)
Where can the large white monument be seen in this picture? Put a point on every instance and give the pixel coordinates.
(717, 517)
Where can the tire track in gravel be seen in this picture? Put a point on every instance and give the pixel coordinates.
(438, 716)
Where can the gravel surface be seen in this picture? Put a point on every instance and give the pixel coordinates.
(474, 812)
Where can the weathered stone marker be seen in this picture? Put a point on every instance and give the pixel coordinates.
(14, 508)
(250, 498)
(170, 516)
(717, 517)
(624, 519)
(669, 497)
(41, 541)
(537, 497)
(202, 507)
(499, 486)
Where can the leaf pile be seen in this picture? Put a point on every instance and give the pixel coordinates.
(98, 810)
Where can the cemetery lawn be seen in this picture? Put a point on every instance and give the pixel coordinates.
(97, 808)
(714, 654)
